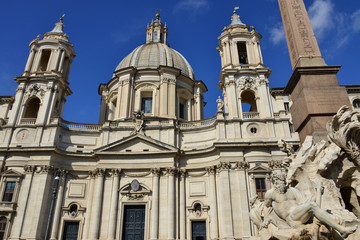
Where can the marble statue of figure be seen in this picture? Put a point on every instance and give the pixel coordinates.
(220, 104)
(290, 205)
(139, 121)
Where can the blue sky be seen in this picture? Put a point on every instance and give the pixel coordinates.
(105, 32)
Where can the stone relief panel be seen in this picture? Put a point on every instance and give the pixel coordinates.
(197, 188)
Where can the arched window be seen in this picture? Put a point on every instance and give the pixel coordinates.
(146, 102)
(45, 57)
(155, 37)
(356, 103)
(32, 108)
(248, 102)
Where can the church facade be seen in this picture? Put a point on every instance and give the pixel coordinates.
(153, 168)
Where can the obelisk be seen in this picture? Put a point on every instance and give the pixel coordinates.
(313, 86)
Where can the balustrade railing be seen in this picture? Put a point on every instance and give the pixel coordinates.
(79, 126)
(28, 121)
(251, 115)
(194, 124)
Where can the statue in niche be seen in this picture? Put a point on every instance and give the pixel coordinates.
(319, 197)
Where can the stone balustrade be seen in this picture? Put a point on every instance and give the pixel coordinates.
(251, 115)
(195, 124)
(79, 126)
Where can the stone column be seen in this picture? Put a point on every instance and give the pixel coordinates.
(214, 230)
(154, 224)
(16, 108)
(96, 206)
(61, 63)
(22, 203)
(38, 57)
(244, 200)
(171, 202)
(182, 205)
(44, 107)
(225, 211)
(114, 205)
(30, 60)
(118, 101)
(171, 98)
(57, 212)
(89, 205)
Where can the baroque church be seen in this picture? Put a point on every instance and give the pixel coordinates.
(153, 167)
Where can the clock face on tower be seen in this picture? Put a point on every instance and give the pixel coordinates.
(135, 185)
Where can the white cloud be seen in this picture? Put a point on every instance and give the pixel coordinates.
(192, 6)
(277, 34)
(321, 16)
(355, 20)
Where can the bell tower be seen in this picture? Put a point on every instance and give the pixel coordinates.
(43, 86)
(244, 77)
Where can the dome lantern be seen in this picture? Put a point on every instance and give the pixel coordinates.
(156, 31)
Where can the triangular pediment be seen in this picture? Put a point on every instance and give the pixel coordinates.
(259, 169)
(139, 144)
(11, 173)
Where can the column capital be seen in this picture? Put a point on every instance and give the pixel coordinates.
(155, 171)
(171, 171)
(211, 170)
(223, 166)
(44, 169)
(29, 169)
(115, 172)
(241, 165)
(182, 172)
(99, 172)
(63, 173)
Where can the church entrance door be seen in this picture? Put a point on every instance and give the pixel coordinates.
(198, 230)
(134, 222)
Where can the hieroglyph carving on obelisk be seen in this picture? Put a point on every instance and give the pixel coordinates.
(300, 36)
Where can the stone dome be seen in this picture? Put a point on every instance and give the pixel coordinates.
(152, 55)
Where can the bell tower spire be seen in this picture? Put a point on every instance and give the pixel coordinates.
(156, 31)
(43, 86)
(244, 77)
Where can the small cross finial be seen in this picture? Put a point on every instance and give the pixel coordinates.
(235, 8)
(62, 17)
(157, 13)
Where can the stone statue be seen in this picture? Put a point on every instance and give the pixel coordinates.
(139, 122)
(319, 197)
(262, 216)
(220, 104)
(290, 205)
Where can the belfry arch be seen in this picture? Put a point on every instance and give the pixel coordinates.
(248, 101)
(32, 108)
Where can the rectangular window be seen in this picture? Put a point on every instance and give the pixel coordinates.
(146, 104)
(286, 106)
(260, 187)
(9, 191)
(3, 222)
(181, 111)
(241, 47)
